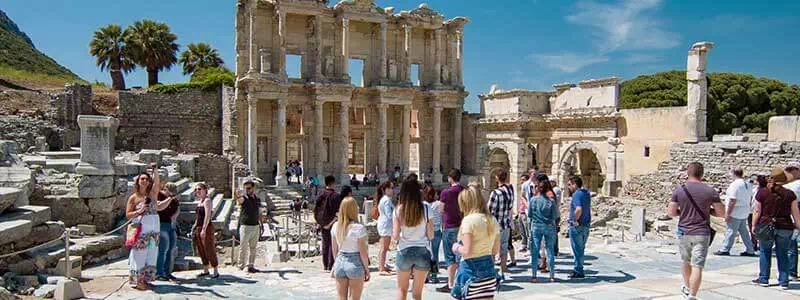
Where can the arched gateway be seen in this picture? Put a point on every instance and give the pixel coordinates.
(582, 158)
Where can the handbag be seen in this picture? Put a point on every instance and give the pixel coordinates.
(706, 218)
(767, 231)
(375, 213)
(132, 235)
(480, 289)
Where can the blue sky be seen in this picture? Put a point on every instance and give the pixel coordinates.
(529, 44)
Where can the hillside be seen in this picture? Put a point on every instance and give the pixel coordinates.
(22, 66)
(734, 99)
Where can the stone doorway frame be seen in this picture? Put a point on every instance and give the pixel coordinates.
(495, 167)
(569, 157)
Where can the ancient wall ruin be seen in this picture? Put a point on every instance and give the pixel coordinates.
(186, 122)
(647, 135)
(215, 170)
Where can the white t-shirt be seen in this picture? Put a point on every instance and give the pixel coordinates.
(740, 190)
(793, 186)
(354, 232)
(415, 236)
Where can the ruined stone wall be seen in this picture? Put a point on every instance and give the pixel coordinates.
(654, 129)
(653, 190)
(186, 122)
(25, 130)
(215, 170)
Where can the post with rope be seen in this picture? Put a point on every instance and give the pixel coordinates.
(67, 265)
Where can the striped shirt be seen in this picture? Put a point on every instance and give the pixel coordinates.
(501, 202)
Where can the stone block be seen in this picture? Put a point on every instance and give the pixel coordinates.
(98, 135)
(61, 154)
(36, 214)
(729, 138)
(75, 272)
(45, 291)
(638, 225)
(14, 230)
(40, 234)
(68, 290)
(97, 186)
(150, 156)
(87, 229)
(19, 177)
(62, 165)
(69, 209)
(368, 210)
(29, 281)
(8, 153)
(7, 197)
(55, 279)
(784, 129)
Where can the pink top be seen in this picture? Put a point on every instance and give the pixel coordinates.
(523, 204)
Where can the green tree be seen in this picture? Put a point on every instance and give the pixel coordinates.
(213, 76)
(154, 48)
(109, 46)
(199, 56)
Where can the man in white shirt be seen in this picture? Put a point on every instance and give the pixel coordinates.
(737, 210)
(793, 168)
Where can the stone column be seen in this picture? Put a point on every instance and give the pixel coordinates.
(382, 141)
(345, 48)
(318, 138)
(252, 133)
(97, 145)
(265, 57)
(344, 127)
(697, 92)
(318, 41)
(282, 42)
(281, 140)
(383, 71)
(460, 58)
(457, 139)
(437, 143)
(405, 61)
(406, 162)
(437, 64)
(253, 46)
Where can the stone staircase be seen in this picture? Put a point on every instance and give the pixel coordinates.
(22, 228)
(281, 197)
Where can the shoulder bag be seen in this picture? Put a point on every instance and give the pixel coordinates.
(706, 218)
(766, 231)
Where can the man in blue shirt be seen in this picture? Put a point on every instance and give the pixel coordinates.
(580, 217)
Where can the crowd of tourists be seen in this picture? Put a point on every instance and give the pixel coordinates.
(763, 211)
(474, 233)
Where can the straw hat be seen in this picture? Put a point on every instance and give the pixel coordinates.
(780, 176)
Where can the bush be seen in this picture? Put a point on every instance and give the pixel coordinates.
(205, 79)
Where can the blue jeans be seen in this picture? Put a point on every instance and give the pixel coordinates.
(449, 237)
(782, 240)
(547, 233)
(470, 270)
(435, 243)
(577, 239)
(166, 243)
(737, 226)
(793, 258)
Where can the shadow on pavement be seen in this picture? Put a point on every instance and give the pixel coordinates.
(281, 273)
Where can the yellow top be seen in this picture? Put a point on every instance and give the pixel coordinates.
(482, 240)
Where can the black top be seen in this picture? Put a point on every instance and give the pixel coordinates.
(251, 211)
(200, 211)
(165, 216)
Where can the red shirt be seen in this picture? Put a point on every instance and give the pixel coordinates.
(780, 209)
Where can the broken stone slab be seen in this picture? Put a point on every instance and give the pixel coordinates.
(6, 295)
(8, 153)
(75, 261)
(87, 229)
(19, 177)
(97, 186)
(68, 290)
(185, 163)
(150, 156)
(8, 196)
(70, 209)
(36, 214)
(14, 230)
(55, 279)
(99, 206)
(45, 291)
(61, 154)
(62, 165)
(31, 160)
(729, 138)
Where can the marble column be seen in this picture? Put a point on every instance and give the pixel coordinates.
(460, 58)
(405, 61)
(406, 162)
(282, 42)
(344, 128)
(383, 70)
(281, 140)
(318, 44)
(437, 64)
(457, 138)
(345, 48)
(252, 38)
(382, 134)
(252, 133)
(320, 147)
(437, 144)
(697, 92)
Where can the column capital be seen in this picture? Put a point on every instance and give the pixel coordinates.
(407, 108)
(437, 107)
(381, 105)
(345, 23)
(345, 104)
(283, 102)
(251, 99)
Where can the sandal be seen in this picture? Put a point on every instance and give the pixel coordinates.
(204, 274)
(215, 276)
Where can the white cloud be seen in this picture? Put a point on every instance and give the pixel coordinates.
(625, 25)
(568, 62)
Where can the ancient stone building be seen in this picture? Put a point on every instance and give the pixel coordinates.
(333, 125)
(580, 130)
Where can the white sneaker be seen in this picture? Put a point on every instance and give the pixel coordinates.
(684, 291)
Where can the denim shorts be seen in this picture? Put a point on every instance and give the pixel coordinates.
(505, 237)
(417, 258)
(470, 270)
(349, 266)
(449, 237)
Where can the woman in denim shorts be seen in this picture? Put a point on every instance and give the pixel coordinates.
(479, 237)
(349, 241)
(412, 231)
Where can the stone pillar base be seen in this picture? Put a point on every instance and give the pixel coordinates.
(437, 178)
(280, 180)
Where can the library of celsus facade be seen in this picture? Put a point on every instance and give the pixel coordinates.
(334, 125)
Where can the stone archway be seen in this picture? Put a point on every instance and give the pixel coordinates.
(583, 159)
(498, 160)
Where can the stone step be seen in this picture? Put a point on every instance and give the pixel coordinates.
(188, 194)
(61, 154)
(223, 216)
(8, 196)
(191, 205)
(183, 184)
(62, 165)
(11, 231)
(36, 214)
(30, 160)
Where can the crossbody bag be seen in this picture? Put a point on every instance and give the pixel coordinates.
(705, 218)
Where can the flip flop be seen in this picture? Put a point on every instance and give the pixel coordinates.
(385, 273)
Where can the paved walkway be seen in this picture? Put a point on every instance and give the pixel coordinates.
(645, 270)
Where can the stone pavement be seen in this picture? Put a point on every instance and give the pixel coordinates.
(645, 270)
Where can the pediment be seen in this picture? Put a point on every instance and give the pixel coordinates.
(359, 6)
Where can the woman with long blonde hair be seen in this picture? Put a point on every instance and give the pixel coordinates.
(351, 266)
(478, 243)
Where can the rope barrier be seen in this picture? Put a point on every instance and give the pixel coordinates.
(34, 247)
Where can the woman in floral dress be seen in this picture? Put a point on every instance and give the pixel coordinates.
(141, 209)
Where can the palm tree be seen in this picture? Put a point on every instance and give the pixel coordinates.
(199, 56)
(109, 46)
(153, 46)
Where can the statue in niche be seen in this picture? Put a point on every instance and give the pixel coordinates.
(445, 72)
(393, 69)
(266, 66)
(328, 66)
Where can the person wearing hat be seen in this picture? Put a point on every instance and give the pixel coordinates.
(775, 206)
(793, 169)
(250, 218)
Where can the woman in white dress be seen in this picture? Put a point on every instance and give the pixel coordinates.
(141, 209)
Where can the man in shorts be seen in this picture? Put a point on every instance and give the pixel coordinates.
(694, 202)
